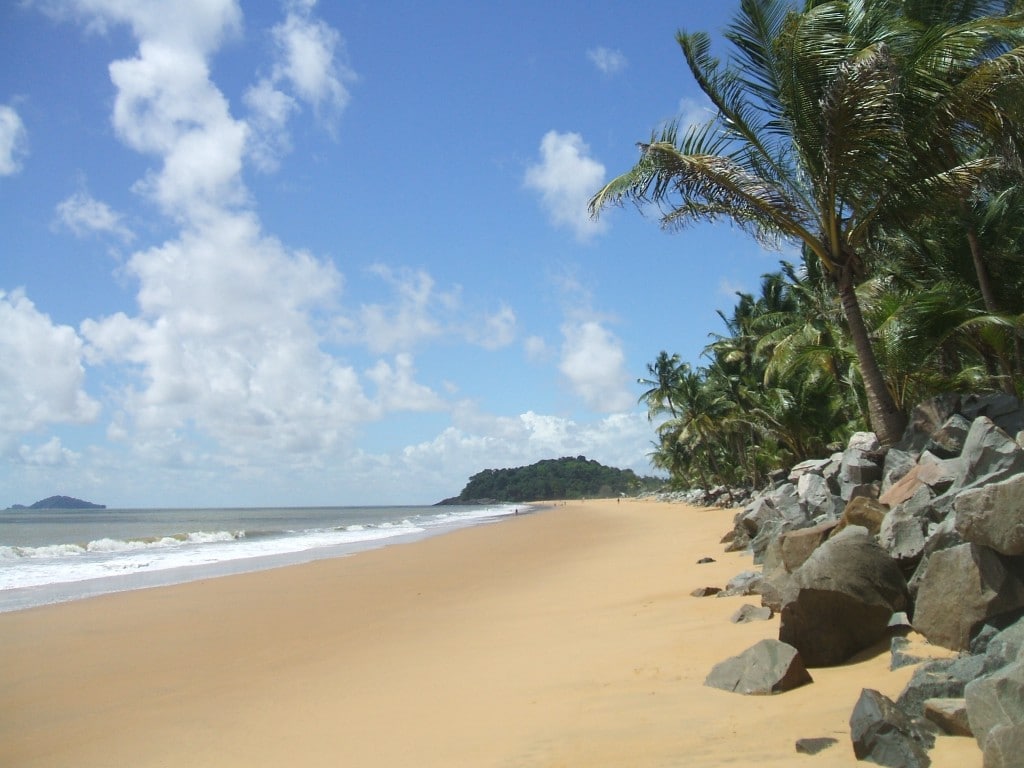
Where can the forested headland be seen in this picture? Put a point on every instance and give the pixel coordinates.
(565, 478)
(881, 142)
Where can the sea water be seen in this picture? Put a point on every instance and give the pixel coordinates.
(49, 556)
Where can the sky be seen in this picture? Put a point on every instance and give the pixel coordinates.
(262, 253)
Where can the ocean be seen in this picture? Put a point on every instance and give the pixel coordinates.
(52, 556)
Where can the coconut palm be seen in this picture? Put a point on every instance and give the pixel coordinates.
(808, 144)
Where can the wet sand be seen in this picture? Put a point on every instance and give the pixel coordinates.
(562, 638)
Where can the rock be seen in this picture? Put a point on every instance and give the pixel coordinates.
(925, 419)
(897, 464)
(884, 735)
(899, 654)
(1005, 410)
(812, 466)
(993, 515)
(841, 599)
(989, 455)
(763, 669)
(860, 466)
(705, 560)
(743, 584)
(902, 532)
(705, 591)
(865, 512)
(1006, 646)
(995, 700)
(973, 579)
(798, 545)
(932, 472)
(941, 679)
(948, 440)
(814, 746)
(748, 613)
(1004, 746)
(774, 588)
(950, 715)
(815, 495)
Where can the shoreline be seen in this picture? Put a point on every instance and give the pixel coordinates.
(563, 637)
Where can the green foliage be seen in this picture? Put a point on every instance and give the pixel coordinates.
(565, 478)
(886, 139)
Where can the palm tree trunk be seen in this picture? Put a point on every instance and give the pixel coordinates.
(887, 420)
(988, 295)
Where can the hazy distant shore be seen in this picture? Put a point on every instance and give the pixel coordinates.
(563, 638)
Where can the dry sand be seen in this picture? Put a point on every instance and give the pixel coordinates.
(564, 638)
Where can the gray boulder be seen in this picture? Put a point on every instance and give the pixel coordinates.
(993, 515)
(841, 599)
(1005, 410)
(989, 455)
(897, 464)
(950, 715)
(815, 496)
(812, 466)
(1004, 746)
(903, 530)
(767, 667)
(885, 735)
(925, 419)
(815, 745)
(748, 613)
(961, 589)
(995, 700)
(940, 679)
(861, 464)
(948, 440)
(742, 584)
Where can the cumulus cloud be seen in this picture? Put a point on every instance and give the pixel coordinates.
(594, 365)
(308, 68)
(566, 178)
(607, 60)
(83, 214)
(13, 141)
(397, 389)
(42, 378)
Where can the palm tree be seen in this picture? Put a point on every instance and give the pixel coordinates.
(807, 145)
(666, 372)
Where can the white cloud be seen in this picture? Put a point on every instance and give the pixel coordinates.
(83, 214)
(307, 50)
(497, 329)
(397, 389)
(13, 141)
(607, 60)
(50, 454)
(594, 364)
(693, 112)
(566, 178)
(41, 374)
(271, 110)
(536, 349)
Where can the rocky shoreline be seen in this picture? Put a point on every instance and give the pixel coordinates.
(873, 543)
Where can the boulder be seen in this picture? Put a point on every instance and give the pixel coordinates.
(748, 613)
(989, 455)
(798, 545)
(812, 466)
(884, 735)
(864, 512)
(1005, 410)
(775, 587)
(841, 599)
(925, 419)
(814, 746)
(995, 700)
(902, 532)
(897, 464)
(705, 591)
(941, 679)
(861, 464)
(815, 496)
(742, 584)
(993, 515)
(962, 588)
(763, 669)
(1004, 746)
(950, 715)
(932, 472)
(948, 440)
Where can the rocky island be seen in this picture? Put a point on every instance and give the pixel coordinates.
(60, 502)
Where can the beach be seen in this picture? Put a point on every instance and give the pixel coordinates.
(567, 637)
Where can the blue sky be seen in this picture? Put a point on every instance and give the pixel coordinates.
(285, 253)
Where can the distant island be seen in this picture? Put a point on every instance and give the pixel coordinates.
(565, 478)
(60, 502)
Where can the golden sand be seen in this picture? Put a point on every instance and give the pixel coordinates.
(563, 638)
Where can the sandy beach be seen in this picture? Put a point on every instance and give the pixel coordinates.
(563, 638)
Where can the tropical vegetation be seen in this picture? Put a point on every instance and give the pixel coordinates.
(881, 138)
(565, 478)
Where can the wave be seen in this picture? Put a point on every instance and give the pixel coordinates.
(107, 545)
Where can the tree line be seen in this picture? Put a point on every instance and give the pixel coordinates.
(883, 138)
